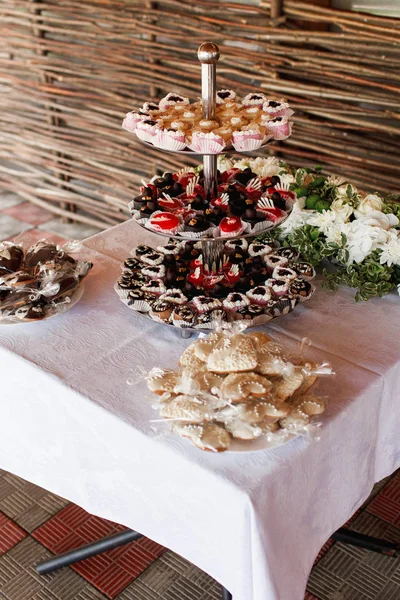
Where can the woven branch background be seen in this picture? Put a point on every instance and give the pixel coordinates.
(70, 70)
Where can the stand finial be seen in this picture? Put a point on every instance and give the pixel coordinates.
(208, 53)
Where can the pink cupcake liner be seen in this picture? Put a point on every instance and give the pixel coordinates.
(282, 130)
(261, 226)
(244, 229)
(170, 140)
(131, 120)
(207, 143)
(145, 136)
(245, 141)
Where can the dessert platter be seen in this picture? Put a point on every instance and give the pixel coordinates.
(207, 272)
(39, 282)
(232, 388)
(256, 282)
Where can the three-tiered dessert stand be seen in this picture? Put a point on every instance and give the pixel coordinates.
(213, 252)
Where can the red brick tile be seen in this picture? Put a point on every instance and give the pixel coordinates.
(309, 596)
(29, 213)
(110, 572)
(10, 534)
(386, 505)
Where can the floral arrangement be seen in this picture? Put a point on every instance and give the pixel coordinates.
(333, 221)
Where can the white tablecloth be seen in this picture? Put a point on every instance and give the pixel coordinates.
(253, 520)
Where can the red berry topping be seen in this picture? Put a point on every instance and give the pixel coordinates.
(230, 225)
(164, 221)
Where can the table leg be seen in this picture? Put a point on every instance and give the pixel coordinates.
(347, 536)
(78, 554)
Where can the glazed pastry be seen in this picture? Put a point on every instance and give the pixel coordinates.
(235, 354)
(206, 436)
(238, 386)
(159, 381)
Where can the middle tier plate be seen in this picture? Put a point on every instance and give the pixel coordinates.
(254, 283)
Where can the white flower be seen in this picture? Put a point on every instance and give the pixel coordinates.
(342, 209)
(378, 219)
(297, 218)
(265, 167)
(334, 233)
(391, 253)
(323, 220)
(370, 203)
(224, 163)
(335, 180)
(363, 237)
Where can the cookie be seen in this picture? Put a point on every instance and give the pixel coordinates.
(186, 408)
(238, 386)
(159, 381)
(206, 436)
(232, 355)
(287, 386)
(40, 252)
(243, 431)
(271, 360)
(309, 404)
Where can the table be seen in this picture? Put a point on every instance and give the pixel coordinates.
(253, 520)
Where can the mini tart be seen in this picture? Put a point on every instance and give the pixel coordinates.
(161, 310)
(205, 304)
(171, 100)
(259, 295)
(280, 306)
(301, 289)
(175, 296)
(252, 312)
(231, 226)
(164, 222)
(224, 96)
(155, 287)
(152, 258)
(232, 245)
(287, 252)
(197, 224)
(259, 249)
(278, 287)
(305, 270)
(284, 273)
(254, 100)
(196, 278)
(142, 250)
(272, 261)
(234, 301)
(183, 316)
(173, 248)
(132, 264)
(168, 204)
(154, 272)
(140, 301)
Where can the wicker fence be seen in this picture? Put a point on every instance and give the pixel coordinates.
(70, 69)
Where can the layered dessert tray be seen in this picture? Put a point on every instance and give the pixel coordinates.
(244, 124)
(254, 282)
(209, 271)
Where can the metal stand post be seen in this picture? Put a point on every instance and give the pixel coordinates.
(208, 54)
(367, 542)
(73, 556)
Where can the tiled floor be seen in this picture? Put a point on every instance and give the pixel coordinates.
(35, 523)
